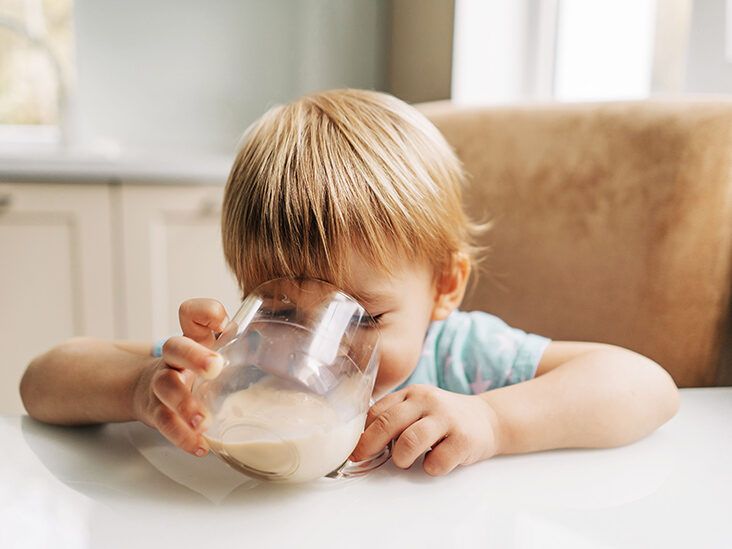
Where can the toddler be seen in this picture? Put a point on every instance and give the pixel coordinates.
(359, 189)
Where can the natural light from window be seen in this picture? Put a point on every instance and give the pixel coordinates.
(35, 69)
(604, 49)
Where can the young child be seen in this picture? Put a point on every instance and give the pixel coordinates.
(359, 189)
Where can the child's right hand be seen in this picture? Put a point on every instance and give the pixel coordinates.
(162, 396)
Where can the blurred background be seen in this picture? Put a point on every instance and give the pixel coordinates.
(119, 121)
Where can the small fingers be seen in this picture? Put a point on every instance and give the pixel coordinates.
(445, 456)
(183, 353)
(383, 404)
(387, 426)
(169, 387)
(172, 427)
(416, 440)
(200, 319)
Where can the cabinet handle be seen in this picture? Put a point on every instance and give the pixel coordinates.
(210, 207)
(6, 200)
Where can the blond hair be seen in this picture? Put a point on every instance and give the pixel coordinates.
(339, 172)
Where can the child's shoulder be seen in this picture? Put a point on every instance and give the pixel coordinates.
(472, 351)
(477, 333)
(471, 320)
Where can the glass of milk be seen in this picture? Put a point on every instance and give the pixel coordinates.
(300, 362)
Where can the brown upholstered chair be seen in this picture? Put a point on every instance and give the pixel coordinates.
(613, 223)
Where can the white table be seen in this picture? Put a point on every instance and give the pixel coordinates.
(124, 486)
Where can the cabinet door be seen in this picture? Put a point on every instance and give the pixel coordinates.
(56, 274)
(172, 251)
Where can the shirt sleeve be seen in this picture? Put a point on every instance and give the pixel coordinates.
(476, 351)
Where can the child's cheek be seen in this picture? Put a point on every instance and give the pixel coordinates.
(397, 364)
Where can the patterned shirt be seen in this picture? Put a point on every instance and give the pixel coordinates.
(472, 352)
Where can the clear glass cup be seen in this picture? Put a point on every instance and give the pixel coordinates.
(300, 362)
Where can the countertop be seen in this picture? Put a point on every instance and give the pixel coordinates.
(123, 485)
(88, 166)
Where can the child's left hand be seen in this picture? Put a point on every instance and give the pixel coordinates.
(453, 429)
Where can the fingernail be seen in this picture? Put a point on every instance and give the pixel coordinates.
(200, 452)
(196, 420)
(214, 364)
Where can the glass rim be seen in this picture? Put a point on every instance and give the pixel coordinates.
(332, 286)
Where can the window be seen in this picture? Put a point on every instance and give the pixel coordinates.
(604, 49)
(570, 50)
(36, 69)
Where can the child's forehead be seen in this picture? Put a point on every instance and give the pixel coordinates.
(366, 281)
(369, 287)
(375, 286)
(372, 298)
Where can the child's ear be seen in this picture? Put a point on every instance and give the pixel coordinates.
(451, 286)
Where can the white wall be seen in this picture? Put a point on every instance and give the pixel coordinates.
(189, 75)
(707, 69)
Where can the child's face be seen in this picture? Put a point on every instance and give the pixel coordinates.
(403, 305)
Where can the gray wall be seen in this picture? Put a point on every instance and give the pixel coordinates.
(420, 49)
(707, 69)
(191, 75)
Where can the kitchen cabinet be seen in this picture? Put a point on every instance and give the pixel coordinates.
(106, 260)
(56, 279)
(171, 251)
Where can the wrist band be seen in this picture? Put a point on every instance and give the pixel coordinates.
(157, 348)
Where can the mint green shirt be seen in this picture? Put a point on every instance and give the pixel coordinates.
(472, 352)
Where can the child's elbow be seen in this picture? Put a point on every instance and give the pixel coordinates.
(664, 392)
(33, 384)
(651, 398)
(673, 399)
(29, 388)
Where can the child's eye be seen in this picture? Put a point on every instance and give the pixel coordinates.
(282, 314)
(366, 322)
(377, 320)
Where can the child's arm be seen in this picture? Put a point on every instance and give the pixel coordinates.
(584, 395)
(85, 380)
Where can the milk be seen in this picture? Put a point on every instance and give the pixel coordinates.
(274, 431)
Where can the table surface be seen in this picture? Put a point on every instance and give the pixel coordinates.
(123, 485)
